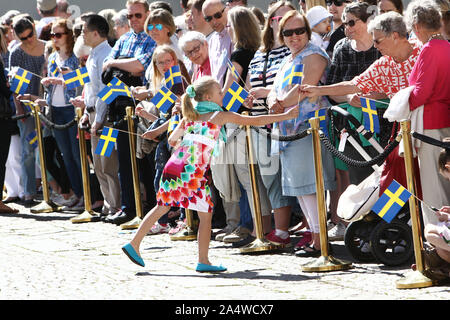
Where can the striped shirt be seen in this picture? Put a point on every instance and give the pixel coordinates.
(256, 69)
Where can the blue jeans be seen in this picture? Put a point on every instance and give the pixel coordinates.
(246, 219)
(68, 145)
(28, 160)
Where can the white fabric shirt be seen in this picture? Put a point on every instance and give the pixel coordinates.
(220, 48)
(94, 65)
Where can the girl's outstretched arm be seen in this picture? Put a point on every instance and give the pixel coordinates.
(232, 117)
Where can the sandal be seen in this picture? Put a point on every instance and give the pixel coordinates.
(308, 251)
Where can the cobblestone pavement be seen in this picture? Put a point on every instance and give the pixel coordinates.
(45, 256)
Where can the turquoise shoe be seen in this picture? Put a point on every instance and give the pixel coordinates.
(132, 254)
(209, 268)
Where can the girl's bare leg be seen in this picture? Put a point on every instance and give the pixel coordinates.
(204, 236)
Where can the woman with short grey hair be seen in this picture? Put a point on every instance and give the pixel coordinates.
(431, 80)
(388, 23)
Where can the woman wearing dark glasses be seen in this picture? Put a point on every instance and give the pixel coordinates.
(61, 110)
(28, 55)
(262, 72)
(297, 169)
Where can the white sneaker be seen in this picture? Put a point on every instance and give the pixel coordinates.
(240, 233)
(69, 202)
(337, 232)
(158, 229)
(224, 232)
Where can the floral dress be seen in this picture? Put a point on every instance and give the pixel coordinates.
(184, 180)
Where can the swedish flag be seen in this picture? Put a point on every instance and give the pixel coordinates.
(293, 75)
(106, 142)
(33, 139)
(174, 121)
(114, 89)
(54, 70)
(371, 121)
(322, 115)
(164, 99)
(391, 201)
(76, 78)
(233, 70)
(173, 76)
(234, 97)
(28, 105)
(20, 81)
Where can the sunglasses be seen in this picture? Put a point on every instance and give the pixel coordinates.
(158, 26)
(137, 15)
(57, 35)
(276, 18)
(193, 51)
(27, 37)
(290, 32)
(350, 23)
(216, 15)
(337, 3)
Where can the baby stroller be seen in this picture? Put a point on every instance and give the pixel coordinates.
(368, 237)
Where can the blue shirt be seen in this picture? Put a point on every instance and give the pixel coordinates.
(134, 45)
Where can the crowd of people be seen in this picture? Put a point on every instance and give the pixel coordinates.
(348, 49)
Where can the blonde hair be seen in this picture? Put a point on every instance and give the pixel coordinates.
(246, 29)
(157, 76)
(201, 87)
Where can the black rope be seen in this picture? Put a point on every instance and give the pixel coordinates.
(297, 136)
(378, 160)
(432, 141)
(55, 126)
(20, 116)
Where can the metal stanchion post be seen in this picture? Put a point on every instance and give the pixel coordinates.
(47, 205)
(133, 224)
(325, 262)
(414, 279)
(188, 233)
(260, 244)
(88, 215)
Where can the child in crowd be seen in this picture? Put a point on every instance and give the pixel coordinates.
(439, 235)
(183, 182)
(320, 21)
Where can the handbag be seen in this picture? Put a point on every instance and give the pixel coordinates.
(357, 200)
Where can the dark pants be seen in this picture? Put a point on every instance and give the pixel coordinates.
(5, 136)
(125, 172)
(54, 163)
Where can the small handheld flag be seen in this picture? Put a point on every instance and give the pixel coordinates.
(391, 201)
(321, 114)
(294, 75)
(234, 97)
(233, 70)
(28, 105)
(114, 89)
(371, 121)
(76, 78)
(33, 139)
(20, 81)
(173, 123)
(173, 76)
(54, 70)
(106, 142)
(164, 99)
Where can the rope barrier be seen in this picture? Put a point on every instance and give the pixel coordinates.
(432, 141)
(378, 160)
(55, 126)
(20, 116)
(297, 136)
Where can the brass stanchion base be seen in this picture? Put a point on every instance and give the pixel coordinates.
(415, 279)
(323, 264)
(86, 216)
(260, 245)
(186, 234)
(45, 207)
(133, 224)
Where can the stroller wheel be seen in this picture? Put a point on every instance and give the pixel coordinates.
(357, 240)
(392, 243)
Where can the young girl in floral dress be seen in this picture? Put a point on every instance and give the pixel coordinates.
(183, 182)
